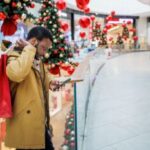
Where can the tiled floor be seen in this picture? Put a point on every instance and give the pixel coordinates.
(119, 108)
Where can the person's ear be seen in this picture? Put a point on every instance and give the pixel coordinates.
(33, 41)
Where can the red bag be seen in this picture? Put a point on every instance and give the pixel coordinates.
(5, 98)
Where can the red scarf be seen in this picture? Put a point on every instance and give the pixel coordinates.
(5, 98)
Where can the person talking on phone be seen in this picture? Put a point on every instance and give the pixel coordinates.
(29, 128)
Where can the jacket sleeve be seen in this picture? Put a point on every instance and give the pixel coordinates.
(18, 69)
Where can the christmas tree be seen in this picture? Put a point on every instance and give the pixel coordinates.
(60, 50)
(103, 38)
(69, 143)
(119, 41)
(96, 31)
(11, 11)
(125, 32)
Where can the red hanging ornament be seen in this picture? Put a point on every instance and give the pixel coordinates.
(81, 4)
(16, 17)
(67, 132)
(92, 17)
(14, 4)
(32, 5)
(129, 22)
(84, 22)
(111, 38)
(105, 30)
(9, 27)
(113, 13)
(55, 52)
(2, 16)
(43, 6)
(64, 26)
(61, 4)
(87, 10)
(82, 35)
(108, 26)
(124, 25)
(135, 38)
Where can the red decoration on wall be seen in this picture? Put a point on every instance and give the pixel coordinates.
(64, 26)
(84, 22)
(61, 4)
(82, 35)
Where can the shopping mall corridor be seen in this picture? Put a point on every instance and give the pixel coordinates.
(119, 108)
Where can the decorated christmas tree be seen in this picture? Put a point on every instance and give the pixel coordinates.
(69, 143)
(60, 50)
(119, 41)
(11, 11)
(103, 38)
(96, 31)
(125, 32)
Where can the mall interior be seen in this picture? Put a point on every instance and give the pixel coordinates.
(99, 62)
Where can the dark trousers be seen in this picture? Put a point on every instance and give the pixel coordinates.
(48, 142)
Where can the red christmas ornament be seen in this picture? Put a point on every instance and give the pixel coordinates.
(129, 22)
(108, 26)
(105, 30)
(70, 70)
(92, 17)
(113, 13)
(66, 142)
(124, 25)
(55, 52)
(61, 4)
(81, 4)
(87, 10)
(16, 17)
(135, 38)
(32, 5)
(82, 35)
(111, 38)
(72, 144)
(9, 27)
(55, 70)
(64, 26)
(84, 22)
(14, 4)
(72, 116)
(67, 132)
(43, 6)
(109, 18)
(2, 16)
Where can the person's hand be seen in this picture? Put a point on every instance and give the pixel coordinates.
(55, 85)
(22, 43)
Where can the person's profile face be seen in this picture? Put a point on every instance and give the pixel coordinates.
(43, 46)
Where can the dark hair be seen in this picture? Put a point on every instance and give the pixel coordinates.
(39, 33)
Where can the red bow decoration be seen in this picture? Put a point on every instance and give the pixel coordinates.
(55, 70)
(5, 98)
(9, 26)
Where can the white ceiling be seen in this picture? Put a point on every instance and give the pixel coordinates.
(122, 7)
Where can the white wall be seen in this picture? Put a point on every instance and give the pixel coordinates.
(142, 30)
